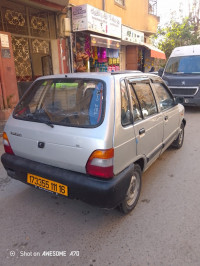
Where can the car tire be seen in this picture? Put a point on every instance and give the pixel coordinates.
(178, 143)
(133, 191)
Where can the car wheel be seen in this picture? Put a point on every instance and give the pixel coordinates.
(178, 143)
(133, 191)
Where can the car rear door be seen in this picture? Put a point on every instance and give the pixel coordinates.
(148, 122)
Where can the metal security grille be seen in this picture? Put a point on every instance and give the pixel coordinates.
(1, 24)
(184, 91)
(14, 21)
(22, 58)
(39, 25)
(31, 30)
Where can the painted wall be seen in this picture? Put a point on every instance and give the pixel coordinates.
(95, 3)
(134, 14)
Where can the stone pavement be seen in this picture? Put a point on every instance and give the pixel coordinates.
(2, 124)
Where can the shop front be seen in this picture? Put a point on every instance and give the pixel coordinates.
(138, 55)
(154, 58)
(95, 42)
(132, 51)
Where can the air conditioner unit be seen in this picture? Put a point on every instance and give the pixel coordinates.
(66, 26)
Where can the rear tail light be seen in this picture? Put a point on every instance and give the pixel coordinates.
(6, 144)
(100, 163)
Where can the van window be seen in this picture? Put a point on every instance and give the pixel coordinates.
(68, 102)
(125, 105)
(146, 99)
(166, 101)
(137, 115)
(183, 65)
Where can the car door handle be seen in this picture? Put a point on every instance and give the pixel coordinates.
(141, 131)
(166, 118)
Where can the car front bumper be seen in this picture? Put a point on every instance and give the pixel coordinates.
(189, 101)
(99, 192)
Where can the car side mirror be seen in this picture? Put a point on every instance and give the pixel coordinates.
(160, 72)
(179, 100)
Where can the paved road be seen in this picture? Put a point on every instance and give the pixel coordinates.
(164, 228)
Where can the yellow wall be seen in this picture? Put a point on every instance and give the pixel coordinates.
(134, 15)
(95, 3)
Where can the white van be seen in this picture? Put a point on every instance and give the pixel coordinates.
(182, 74)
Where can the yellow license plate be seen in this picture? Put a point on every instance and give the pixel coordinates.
(47, 184)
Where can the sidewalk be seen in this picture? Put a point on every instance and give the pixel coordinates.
(2, 125)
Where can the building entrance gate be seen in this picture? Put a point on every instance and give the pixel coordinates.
(32, 30)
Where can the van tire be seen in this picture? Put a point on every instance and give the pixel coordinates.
(133, 191)
(178, 143)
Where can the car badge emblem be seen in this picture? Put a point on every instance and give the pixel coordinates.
(183, 82)
(41, 144)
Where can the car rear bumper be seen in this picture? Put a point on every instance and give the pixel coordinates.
(102, 193)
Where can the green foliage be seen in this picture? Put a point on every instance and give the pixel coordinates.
(179, 31)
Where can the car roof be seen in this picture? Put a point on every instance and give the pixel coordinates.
(105, 75)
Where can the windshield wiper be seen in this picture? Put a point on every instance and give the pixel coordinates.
(48, 123)
(35, 117)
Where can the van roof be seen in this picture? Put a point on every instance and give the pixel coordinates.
(186, 50)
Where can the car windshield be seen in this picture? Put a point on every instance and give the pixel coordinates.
(183, 65)
(68, 102)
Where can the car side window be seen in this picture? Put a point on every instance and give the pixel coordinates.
(146, 99)
(137, 115)
(125, 105)
(166, 100)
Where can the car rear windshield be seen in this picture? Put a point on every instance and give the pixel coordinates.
(183, 65)
(67, 102)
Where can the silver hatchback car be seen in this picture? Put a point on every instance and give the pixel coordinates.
(90, 136)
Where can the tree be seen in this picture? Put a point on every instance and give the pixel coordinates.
(179, 31)
(194, 15)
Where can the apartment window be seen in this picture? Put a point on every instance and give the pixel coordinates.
(153, 7)
(120, 2)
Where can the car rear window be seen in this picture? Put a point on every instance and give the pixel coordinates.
(68, 102)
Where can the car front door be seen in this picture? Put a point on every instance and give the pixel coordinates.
(170, 113)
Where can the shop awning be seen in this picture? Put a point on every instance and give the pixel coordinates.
(155, 52)
(104, 42)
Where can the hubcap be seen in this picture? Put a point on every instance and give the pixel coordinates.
(180, 137)
(133, 189)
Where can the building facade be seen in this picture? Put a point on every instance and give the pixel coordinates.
(138, 20)
(31, 45)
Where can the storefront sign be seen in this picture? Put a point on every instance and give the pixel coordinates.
(4, 40)
(86, 17)
(131, 35)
